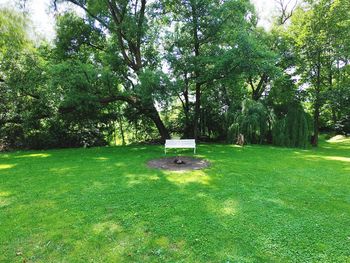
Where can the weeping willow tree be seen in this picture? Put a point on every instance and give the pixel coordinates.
(253, 121)
(258, 124)
(293, 130)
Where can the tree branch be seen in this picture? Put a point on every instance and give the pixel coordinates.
(117, 18)
(283, 8)
(89, 12)
(251, 84)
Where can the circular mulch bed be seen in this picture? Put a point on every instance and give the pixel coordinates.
(181, 163)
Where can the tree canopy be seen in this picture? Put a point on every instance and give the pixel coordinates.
(138, 70)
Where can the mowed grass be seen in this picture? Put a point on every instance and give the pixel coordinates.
(254, 204)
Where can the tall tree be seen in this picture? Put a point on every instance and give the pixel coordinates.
(131, 26)
(313, 30)
(204, 47)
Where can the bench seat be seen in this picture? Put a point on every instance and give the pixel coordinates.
(182, 143)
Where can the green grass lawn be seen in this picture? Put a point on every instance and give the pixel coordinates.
(254, 204)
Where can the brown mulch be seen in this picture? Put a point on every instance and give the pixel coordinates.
(167, 163)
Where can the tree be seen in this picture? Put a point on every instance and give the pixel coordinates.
(14, 43)
(205, 49)
(314, 31)
(253, 121)
(292, 130)
(131, 27)
(13, 38)
(201, 69)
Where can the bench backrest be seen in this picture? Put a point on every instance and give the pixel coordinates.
(184, 142)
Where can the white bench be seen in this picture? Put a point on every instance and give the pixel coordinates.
(187, 143)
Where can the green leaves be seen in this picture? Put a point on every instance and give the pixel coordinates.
(77, 37)
(13, 36)
(190, 62)
(252, 121)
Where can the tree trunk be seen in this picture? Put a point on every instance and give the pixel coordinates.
(121, 129)
(148, 110)
(197, 109)
(188, 129)
(314, 141)
(153, 114)
(196, 131)
(317, 105)
(330, 87)
(260, 88)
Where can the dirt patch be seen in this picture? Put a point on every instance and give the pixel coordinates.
(173, 163)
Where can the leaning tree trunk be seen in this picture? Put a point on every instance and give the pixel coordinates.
(163, 131)
(153, 114)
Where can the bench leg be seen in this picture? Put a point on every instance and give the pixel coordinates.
(165, 151)
(194, 150)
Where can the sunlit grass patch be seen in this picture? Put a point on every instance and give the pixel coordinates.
(338, 138)
(33, 155)
(6, 166)
(330, 158)
(162, 242)
(5, 198)
(337, 158)
(229, 207)
(101, 158)
(109, 227)
(187, 177)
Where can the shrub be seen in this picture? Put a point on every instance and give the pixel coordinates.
(252, 121)
(293, 130)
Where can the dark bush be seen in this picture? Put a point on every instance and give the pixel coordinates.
(293, 130)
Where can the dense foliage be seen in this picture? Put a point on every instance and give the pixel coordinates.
(130, 71)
